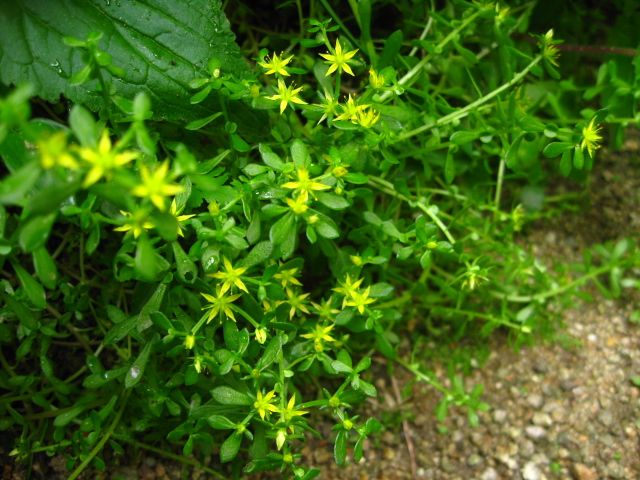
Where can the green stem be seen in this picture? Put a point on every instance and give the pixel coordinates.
(336, 19)
(409, 77)
(458, 114)
(102, 441)
(554, 291)
(499, 181)
(413, 368)
(430, 211)
(470, 313)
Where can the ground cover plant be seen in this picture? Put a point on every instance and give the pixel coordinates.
(202, 245)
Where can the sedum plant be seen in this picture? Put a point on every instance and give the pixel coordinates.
(212, 274)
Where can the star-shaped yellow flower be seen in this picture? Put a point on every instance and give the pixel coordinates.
(173, 210)
(263, 403)
(220, 303)
(338, 60)
(103, 159)
(290, 410)
(276, 64)
(230, 276)
(351, 110)
(135, 222)
(591, 137)
(304, 185)
(54, 152)
(155, 185)
(320, 335)
(359, 299)
(287, 94)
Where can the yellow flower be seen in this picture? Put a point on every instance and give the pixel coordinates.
(287, 94)
(103, 159)
(325, 309)
(263, 403)
(136, 222)
(319, 335)
(155, 185)
(173, 210)
(367, 117)
(298, 205)
(348, 287)
(290, 410)
(350, 110)
(287, 277)
(359, 299)
(338, 60)
(297, 302)
(329, 106)
(375, 79)
(276, 64)
(591, 137)
(305, 185)
(230, 276)
(54, 152)
(221, 303)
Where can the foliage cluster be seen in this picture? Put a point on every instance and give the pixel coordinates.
(210, 260)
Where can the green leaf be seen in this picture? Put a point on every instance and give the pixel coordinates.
(83, 126)
(160, 47)
(228, 396)
(45, 267)
(230, 447)
(134, 374)
(511, 157)
(578, 158)
(202, 122)
(35, 232)
(390, 50)
(333, 201)
(258, 254)
(449, 167)
(67, 416)
(340, 447)
(270, 353)
(26, 317)
(269, 158)
(15, 187)
(326, 227)
(187, 270)
(565, 163)
(148, 263)
(283, 235)
(341, 367)
(462, 137)
(299, 153)
(556, 148)
(221, 423)
(35, 292)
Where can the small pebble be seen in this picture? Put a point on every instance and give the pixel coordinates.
(489, 474)
(542, 419)
(499, 416)
(535, 432)
(535, 400)
(531, 472)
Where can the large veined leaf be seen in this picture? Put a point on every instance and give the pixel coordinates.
(160, 44)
